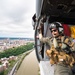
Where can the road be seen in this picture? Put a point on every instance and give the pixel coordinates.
(29, 66)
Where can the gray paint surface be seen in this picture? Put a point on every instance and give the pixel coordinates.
(46, 68)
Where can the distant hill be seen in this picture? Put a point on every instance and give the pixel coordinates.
(15, 38)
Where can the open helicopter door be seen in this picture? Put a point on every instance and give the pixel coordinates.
(55, 11)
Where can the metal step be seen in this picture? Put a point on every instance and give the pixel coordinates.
(46, 68)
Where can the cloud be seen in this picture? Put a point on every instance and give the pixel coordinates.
(16, 18)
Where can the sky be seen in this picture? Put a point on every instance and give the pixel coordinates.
(16, 18)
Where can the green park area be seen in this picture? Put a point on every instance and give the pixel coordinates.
(19, 52)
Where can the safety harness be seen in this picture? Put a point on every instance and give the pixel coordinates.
(58, 54)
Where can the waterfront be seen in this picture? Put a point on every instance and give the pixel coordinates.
(29, 66)
(8, 56)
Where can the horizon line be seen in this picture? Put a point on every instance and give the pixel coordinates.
(15, 37)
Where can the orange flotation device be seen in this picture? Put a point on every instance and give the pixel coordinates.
(72, 28)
